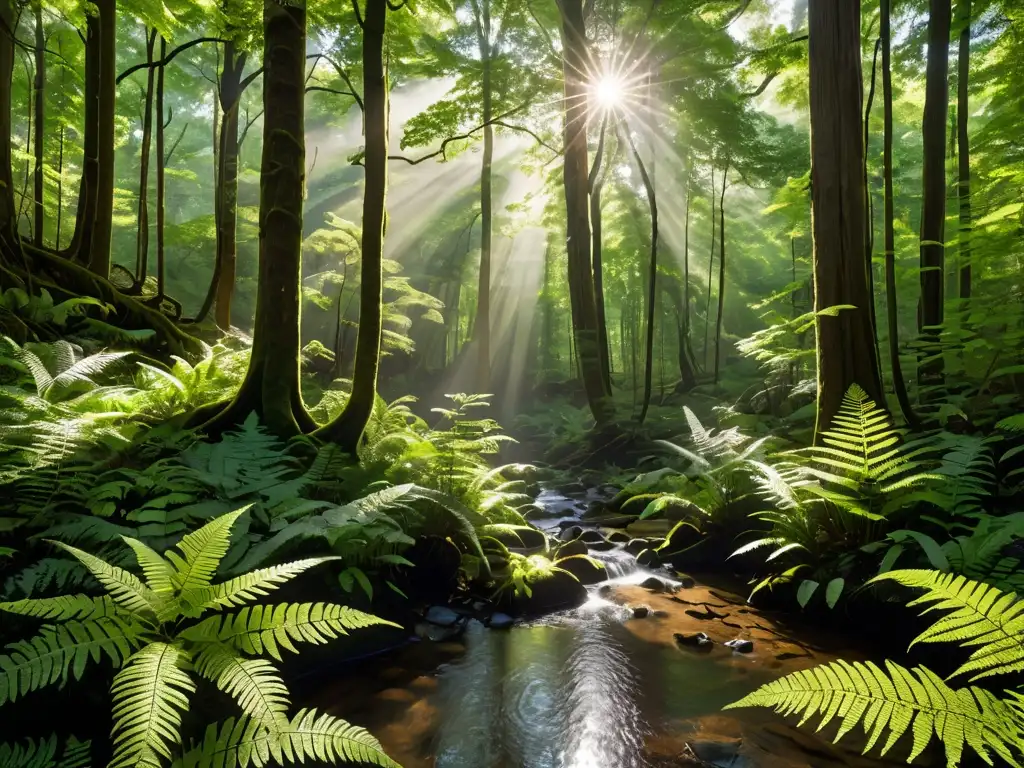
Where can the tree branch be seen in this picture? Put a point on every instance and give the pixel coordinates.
(442, 150)
(342, 73)
(761, 88)
(528, 132)
(359, 16)
(170, 56)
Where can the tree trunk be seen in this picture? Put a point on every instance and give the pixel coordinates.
(483, 303)
(933, 202)
(598, 174)
(9, 243)
(347, 429)
(583, 303)
(963, 145)
(227, 183)
(106, 72)
(652, 280)
(38, 142)
(161, 163)
(845, 342)
(687, 375)
(711, 272)
(88, 187)
(271, 385)
(142, 236)
(721, 271)
(892, 315)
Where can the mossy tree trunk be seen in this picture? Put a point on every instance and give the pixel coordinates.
(142, 234)
(227, 182)
(845, 342)
(583, 304)
(889, 233)
(963, 145)
(271, 384)
(39, 139)
(161, 167)
(347, 429)
(933, 201)
(8, 223)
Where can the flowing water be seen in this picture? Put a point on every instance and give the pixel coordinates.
(587, 688)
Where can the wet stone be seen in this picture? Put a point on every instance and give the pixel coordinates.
(570, 532)
(501, 621)
(695, 640)
(441, 616)
(741, 646)
(640, 611)
(655, 584)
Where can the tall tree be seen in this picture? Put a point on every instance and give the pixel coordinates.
(142, 233)
(347, 429)
(845, 338)
(576, 64)
(39, 139)
(271, 384)
(482, 324)
(721, 270)
(106, 72)
(596, 182)
(963, 146)
(933, 200)
(8, 223)
(889, 233)
(161, 172)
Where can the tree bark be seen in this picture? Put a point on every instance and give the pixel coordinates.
(161, 162)
(596, 180)
(889, 234)
(845, 343)
(142, 235)
(583, 303)
(964, 146)
(227, 183)
(106, 71)
(88, 186)
(9, 243)
(721, 271)
(687, 375)
(39, 140)
(483, 305)
(711, 272)
(933, 202)
(271, 384)
(652, 280)
(347, 429)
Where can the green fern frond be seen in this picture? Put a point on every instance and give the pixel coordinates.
(265, 628)
(916, 700)
(126, 589)
(254, 683)
(149, 695)
(203, 551)
(309, 735)
(158, 572)
(981, 616)
(65, 608)
(45, 754)
(58, 651)
(248, 587)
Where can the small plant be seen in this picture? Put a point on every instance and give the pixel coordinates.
(174, 627)
(979, 617)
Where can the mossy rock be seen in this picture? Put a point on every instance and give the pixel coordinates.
(681, 538)
(519, 537)
(553, 590)
(635, 505)
(586, 569)
(655, 527)
(532, 511)
(570, 548)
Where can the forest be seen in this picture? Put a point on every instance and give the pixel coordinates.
(511, 383)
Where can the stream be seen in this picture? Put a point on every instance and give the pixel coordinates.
(593, 687)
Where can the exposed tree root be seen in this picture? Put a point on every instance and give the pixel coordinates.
(65, 279)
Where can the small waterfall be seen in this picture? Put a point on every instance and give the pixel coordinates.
(619, 564)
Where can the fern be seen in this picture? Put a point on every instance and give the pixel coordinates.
(981, 616)
(152, 629)
(895, 701)
(46, 754)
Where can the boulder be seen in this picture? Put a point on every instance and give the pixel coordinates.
(648, 559)
(696, 640)
(636, 546)
(640, 611)
(533, 511)
(441, 616)
(591, 536)
(601, 546)
(741, 646)
(650, 527)
(520, 537)
(685, 582)
(654, 584)
(586, 569)
(570, 548)
(550, 591)
(570, 532)
(500, 621)
(617, 537)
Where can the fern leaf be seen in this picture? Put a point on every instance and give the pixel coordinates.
(902, 700)
(126, 589)
(58, 651)
(254, 683)
(44, 754)
(149, 695)
(309, 735)
(981, 616)
(65, 608)
(158, 572)
(250, 586)
(203, 550)
(263, 628)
